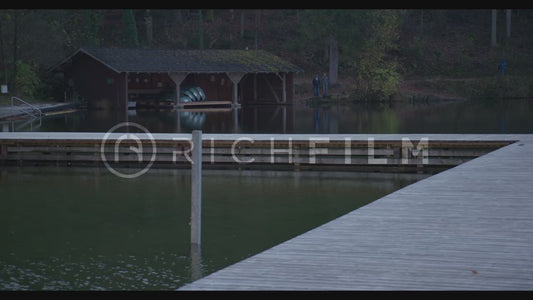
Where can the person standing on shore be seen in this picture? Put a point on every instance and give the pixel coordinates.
(325, 84)
(316, 85)
(501, 67)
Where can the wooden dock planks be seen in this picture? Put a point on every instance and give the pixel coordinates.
(467, 228)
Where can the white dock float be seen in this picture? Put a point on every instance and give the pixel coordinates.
(394, 152)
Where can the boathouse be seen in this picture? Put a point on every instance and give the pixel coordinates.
(114, 77)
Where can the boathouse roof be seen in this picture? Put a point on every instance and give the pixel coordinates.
(138, 60)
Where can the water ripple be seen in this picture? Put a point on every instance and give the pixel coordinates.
(165, 271)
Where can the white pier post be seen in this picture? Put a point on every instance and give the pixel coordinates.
(196, 188)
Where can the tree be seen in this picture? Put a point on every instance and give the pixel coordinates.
(242, 24)
(2, 55)
(361, 41)
(200, 30)
(508, 22)
(256, 28)
(335, 31)
(9, 38)
(377, 71)
(333, 60)
(15, 44)
(130, 28)
(26, 79)
(493, 28)
(148, 27)
(92, 20)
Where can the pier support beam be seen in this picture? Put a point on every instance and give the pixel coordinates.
(283, 78)
(121, 83)
(235, 78)
(177, 78)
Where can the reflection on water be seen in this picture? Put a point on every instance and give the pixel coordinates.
(86, 229)
(192, 120)
(474, 116)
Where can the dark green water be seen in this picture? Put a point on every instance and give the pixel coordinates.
(87, 229)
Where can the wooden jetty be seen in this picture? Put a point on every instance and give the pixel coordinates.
(467, 228)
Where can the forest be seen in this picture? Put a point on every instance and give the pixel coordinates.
(373, 51)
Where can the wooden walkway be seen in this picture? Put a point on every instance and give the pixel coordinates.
(467, 228)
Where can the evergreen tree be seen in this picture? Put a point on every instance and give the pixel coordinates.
(130, 28)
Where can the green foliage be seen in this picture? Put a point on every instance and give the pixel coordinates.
(27, 79)
(376, 70)
(384, 80)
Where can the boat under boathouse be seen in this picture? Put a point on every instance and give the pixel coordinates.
(112, 77)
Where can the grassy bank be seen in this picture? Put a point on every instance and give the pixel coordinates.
(490, 87)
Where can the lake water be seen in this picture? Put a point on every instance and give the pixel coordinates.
(473, 116)
(87, 229)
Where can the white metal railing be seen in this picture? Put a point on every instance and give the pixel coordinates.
(36, 111)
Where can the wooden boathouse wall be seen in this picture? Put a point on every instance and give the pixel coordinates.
(253, 87)
(99, 85)
(110, 78)
(268, 87)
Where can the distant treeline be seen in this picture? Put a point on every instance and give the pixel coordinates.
(376, 48)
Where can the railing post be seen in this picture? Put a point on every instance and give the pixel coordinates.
(28, 104)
